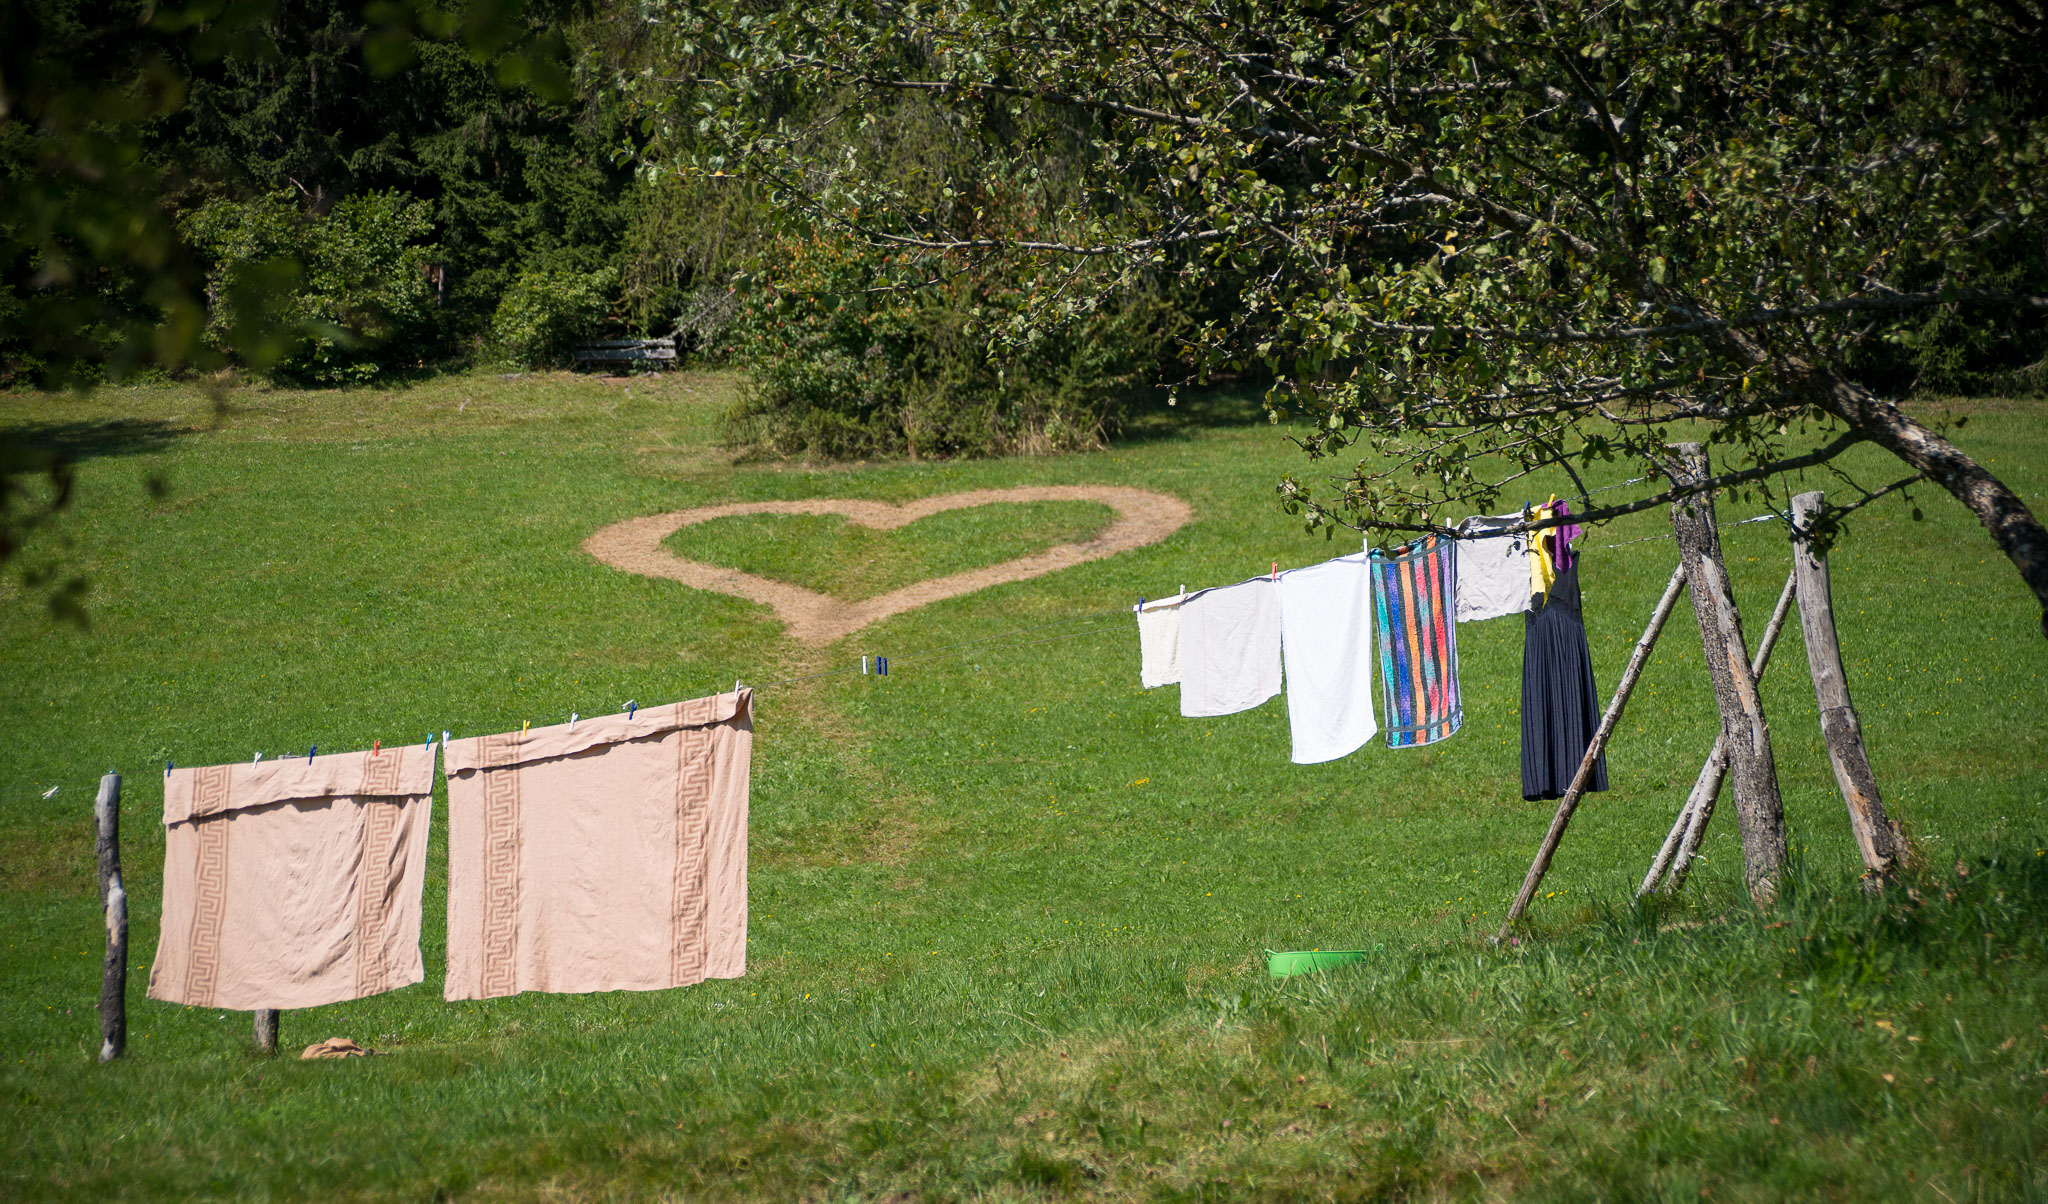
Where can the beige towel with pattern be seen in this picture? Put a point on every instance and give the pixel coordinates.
(294, 883)
(610, 857)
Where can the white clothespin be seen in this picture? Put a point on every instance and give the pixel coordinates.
(735, 685)
(259, 757)
(863, 666)
(444, 737)
(572, 721)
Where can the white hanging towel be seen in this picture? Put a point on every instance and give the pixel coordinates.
(1493, 573)
(1159, 642)
(1326, 624)
(1229, 648)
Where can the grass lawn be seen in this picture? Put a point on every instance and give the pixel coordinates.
(1009, 908)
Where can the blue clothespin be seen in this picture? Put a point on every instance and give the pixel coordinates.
(882, 666)
(168, 767)
(310, 752)
(631, 706)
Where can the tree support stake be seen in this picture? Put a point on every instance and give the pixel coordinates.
(1577, 790)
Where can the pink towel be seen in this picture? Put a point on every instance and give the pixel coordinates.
(294, 883)
(610, 858)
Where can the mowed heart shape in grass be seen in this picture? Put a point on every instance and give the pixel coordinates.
(1142, 518)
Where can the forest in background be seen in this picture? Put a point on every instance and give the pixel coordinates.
(321, 193)
(318, 193)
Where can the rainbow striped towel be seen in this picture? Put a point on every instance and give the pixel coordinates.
(1414, 604)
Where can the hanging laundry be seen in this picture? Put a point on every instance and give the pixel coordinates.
(1326, 622)
(294, 883)
(1542, 565)
(1159, 641)
(1560, 703)
(608, 858)
(1493, 570)
(1413, 605)
(1229, 648)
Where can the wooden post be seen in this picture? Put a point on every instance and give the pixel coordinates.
(1839, 726)
(1577, 790)
(1684, 840)
(1752, 769)
(106, 813)
(266, 1030)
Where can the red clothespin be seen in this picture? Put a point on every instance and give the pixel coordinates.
(374, 746)
(1276, 570)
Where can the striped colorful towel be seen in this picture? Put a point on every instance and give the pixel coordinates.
(1414, 606)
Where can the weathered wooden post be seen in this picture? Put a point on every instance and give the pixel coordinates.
(1577, 790)
(1683, 843)
(1751, 767)
(266, 1030)
(106, 813)
(1839, 726)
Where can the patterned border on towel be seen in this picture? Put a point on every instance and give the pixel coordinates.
(499, 947)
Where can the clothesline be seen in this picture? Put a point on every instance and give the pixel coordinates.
(1740, 522)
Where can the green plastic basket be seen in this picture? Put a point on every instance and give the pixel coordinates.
(1280, 965)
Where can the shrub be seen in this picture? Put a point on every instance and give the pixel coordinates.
(851, 353)
(547, 311)
(322, 299)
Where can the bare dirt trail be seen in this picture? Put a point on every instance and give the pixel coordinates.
(634, 546)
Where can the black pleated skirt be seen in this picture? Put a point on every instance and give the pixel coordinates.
(1560, 704)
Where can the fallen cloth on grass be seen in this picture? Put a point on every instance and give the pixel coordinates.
(604, 855)
(294, 883)
(335, 1047)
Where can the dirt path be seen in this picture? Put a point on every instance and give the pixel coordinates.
(1143, 518)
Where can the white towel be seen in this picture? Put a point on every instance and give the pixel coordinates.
(1493, 574)
(1326, 624)
(1159, 642)
(1229, 649)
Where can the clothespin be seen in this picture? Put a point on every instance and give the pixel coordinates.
(168, 767)
(735, 685)
(863, 666)
(882, 666)
(523, 725)
(310, 752)
(375, 745)
(445, 737)
(1276, 570)
(572, 721)
(259, 757)
(1141, 601)
(631, 706)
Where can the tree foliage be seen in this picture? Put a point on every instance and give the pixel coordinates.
(1481, 238)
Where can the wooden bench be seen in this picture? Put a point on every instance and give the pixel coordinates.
(628, 351)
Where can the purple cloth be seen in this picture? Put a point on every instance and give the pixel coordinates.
(1566, 533)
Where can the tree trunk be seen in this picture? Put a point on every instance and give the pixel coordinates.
(1683, 844)
(2015, 529)
(1838, 723)
(1754, 771)
(114, 900)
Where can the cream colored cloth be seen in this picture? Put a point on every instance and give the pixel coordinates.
(1159, 642)
(608, 858)
(1229, 648)
(294, 883)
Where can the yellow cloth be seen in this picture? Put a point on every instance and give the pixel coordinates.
(1542, 559)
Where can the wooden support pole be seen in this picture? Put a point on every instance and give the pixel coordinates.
(1577, 790)
(266, 1030)
(1752, 769)
(106, 813)
(1684, 841)
(1839, 726)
